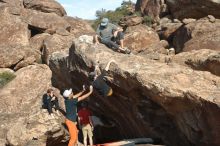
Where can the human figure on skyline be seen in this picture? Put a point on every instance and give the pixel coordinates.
(111, 35)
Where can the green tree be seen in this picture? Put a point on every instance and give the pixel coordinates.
(148, 21)
(127, 3)
(113, 16)
(6, 77)
(100, 13)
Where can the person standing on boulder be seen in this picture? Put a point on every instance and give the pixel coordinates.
(85, 120)
(105, 34)
(71, 101)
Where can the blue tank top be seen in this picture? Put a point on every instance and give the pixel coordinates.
(71, 109)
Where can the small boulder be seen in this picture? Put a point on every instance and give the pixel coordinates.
(140, 37)
(188, 20)
(130, 21)
(79, 27)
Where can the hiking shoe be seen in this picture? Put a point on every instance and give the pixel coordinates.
(127, 51)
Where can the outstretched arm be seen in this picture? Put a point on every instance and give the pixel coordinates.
(80, 93)
(86, 95)
(108, 65)
(97, 71)
(96, 39)
(97, 35)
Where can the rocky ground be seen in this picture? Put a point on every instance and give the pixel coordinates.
(167, 89)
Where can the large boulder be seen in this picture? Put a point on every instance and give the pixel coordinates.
(60, 70)
(149, 98)
(151, 8)
(13, 30)
(205, 60)
(44, 22)
(140, 37)
(15, 51)
(200, 34)
(36, 42)
(34, 79)
(79, 27)
(21, 117)
(55, 43)
(166, 31)
(13, 3)
(193, 9)
(16, 57)
(14, 9)
(47, 6)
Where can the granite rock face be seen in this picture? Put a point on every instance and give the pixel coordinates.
(151, 8)
(200, 34)
(130, 21)
(157, 94)
(193, 9)
(150, 97)
(22, 119)
(44, 22)
(139, 38)
(205, 60)
(79, 27)
(32, 30)
(47, 6)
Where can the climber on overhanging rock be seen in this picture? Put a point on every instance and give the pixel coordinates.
(71, 101)
(111, 35)
(99, 78)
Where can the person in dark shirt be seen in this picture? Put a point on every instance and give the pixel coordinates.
(71, 101)
(99, 79)
(85, 120)
(111, 35)
(51, 101)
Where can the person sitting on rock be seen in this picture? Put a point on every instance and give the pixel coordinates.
(51, 101)
(99, 78)
(105, 34)
(71, 101)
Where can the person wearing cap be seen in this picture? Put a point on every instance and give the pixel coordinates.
(71, 101)
(99, 79)
(105, 34)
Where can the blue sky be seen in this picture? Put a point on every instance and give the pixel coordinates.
(86, 8)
